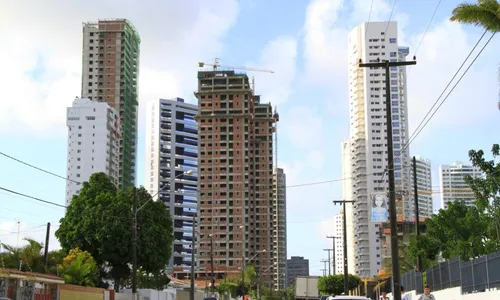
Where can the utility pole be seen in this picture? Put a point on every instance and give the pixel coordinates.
(193, 249)
(134, 245)
(390, 160)
(212, 263)
(334, 264)
(344, 229)
(329, 261)
(325, 261)
(417, 213)
(46, 252)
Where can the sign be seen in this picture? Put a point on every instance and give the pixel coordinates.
(379, 208)
(170, 271)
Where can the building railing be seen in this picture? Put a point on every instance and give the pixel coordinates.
(473, 276)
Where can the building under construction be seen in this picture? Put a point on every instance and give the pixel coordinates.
(235, 175)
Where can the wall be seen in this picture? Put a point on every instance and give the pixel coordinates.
(74, 292)
(184, 295)
(456, 294)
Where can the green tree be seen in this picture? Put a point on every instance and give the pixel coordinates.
(486, 13)
(79, 268)
(486, 191)
(334, 284)
(156, 281)
(290, 291)
(28, 257)
(99, 220)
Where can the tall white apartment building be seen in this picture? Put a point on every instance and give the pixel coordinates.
(338, 233)
(453, 185)
(424, 186)
(171, 151)
(93, 143)
(279, 234)
(347, 194)
(368, 138)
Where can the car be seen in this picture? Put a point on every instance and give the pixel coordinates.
(5, 298)
(342, 297)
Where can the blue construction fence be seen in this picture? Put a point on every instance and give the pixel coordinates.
(475, 275)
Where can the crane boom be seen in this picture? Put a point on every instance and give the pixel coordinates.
(216, 65)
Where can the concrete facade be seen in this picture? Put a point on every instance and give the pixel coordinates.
(280, 233)
(110, 74)
(338, 231)
(368, 141)
(453, 185)
(235, 174)
(296, 266)
(93, 143)
(347, 193)
(172, 150)
(424, 185)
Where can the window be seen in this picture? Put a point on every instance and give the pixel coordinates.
(394, 96)
(397, 174)
(395, 118)
(397, 160)
(392, 54)
(395, 110)
(395, 124)
(397, 146)
(392, 40)
(395, 131)
(394, 75)
(396, 139)
(394, 68)
(394, 89)
(394, 82)
(90, 118)
(77, 175)
(394, 103)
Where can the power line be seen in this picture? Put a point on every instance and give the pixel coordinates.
(417, 132)
(425, 32)
(369, 17)
(39, 169)
(33, 198)
(390, 16)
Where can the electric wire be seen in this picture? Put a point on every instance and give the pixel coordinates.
(33, 198)
(418, 131)
(425, 32)
(390, 17)
(39, 169)
(369, 17)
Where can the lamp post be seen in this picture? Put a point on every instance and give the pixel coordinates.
(243, 268)
(212, 257)
(344, 227)
(329, 260)
(135, 210)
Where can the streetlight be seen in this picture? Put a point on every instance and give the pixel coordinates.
(258, 279)
(344, 221)
(334, 255)
(135, 210)
(212, 256)
(243, 267)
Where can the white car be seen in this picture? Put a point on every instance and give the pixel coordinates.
(350, 298)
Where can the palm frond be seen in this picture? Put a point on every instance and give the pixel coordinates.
(485, 14)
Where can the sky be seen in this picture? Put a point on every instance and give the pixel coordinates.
(304, 42)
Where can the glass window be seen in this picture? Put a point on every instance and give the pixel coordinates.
(397, 153)
(395, 110)
(393, 54)
(397, 167)
(395, 118)
(394, 75)
(397, 174)
(394, 68)
(396, 139)
(397, 160)
(394, 82)
(394, 103)
(395, 131)
(394, 89)
(397, 146)
(392, 40)
(394, 96)
(395, 124)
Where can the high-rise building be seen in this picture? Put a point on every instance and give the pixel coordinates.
(347, 194)
(171, 152)
(338, 232)
(424, 185)
(235, 174)
(110, 74)
(296, 266)
(93, 143)
(371, 42)
(279, 245)
(453, 185)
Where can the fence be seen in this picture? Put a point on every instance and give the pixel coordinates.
(472, 276)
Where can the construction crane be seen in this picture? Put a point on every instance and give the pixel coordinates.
(216, 66)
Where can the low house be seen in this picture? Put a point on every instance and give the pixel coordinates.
(20, 285)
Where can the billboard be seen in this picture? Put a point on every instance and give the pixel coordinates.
(379, 208)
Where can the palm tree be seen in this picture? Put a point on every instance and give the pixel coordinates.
(27, 258)
(486, 13)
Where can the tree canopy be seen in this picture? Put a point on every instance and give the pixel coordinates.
(79, 268)
(466, 231)
(486, 13)
(99, 221)
(29, 258)
(334, 284)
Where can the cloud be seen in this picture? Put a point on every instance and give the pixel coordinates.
(303, 127)
(476, 96)
(280, 56)
(40, 40)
